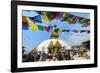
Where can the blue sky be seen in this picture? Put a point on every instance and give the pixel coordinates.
(32, 39)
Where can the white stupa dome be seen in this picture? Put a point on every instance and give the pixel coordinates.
(45, 44)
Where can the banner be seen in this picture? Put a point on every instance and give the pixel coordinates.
(24, 19)
(46, 17)
(72, 19)
(41, 28)
(33, 27)
(36, 27)
(36, 19)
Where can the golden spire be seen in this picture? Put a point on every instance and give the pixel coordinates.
(58, 45)
(51, 46)
(54, 34)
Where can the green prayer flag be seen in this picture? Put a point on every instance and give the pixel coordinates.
(85, 25)
(40, 27)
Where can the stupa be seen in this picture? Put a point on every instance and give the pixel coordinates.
(54, 44)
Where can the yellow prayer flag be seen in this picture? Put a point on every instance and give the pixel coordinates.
(24, 19)
(60, 30)
(65, 15)
(77, 31)
(45, 18)
(33, 27)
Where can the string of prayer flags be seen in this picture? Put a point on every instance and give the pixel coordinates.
(76, 31)
(27, 23)
(35, 27)
(72, 19)
(64, 17)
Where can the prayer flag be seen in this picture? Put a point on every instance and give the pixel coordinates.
(24, 19)
(82, 31)
(74, 19)
(60, 30)
(55, 14)
(77, 31)
(33, 27)
(44, 17)
(25, 26)
(66, 30)
(38, 18)
(48, 28)
(40, 27)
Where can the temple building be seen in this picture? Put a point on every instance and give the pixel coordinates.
(54, 44)
(53, 47)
